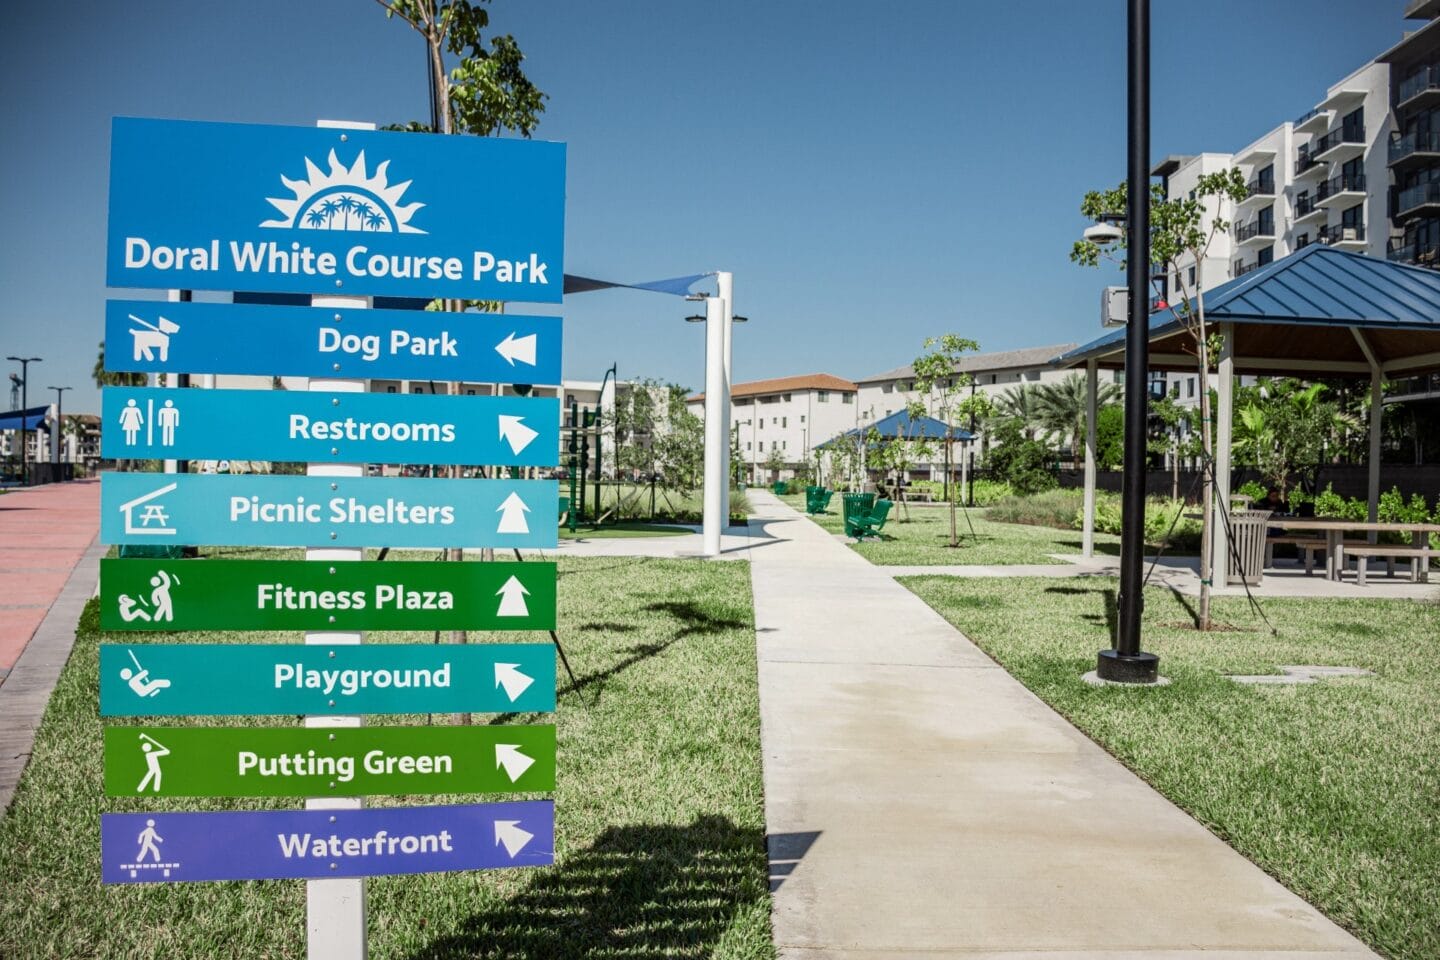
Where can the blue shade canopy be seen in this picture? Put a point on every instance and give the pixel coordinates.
(901, 426)
(33, 419)
(1318, 311)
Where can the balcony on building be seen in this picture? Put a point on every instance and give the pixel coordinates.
(1419, 91)
(1338, 189)
(1414, 252)
(1306, 165)
(1414, 150)
(1312, 122)
(1307, 208)
(1255, 233)
(1239, 269)
(1423, 198)
(1258, 190)
(1339, 145)
(1343, 236)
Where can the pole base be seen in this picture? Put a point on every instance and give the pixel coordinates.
(1120, 667)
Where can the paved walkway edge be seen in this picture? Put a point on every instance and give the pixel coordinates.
(26, 692)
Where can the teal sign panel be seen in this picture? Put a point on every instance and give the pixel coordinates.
(156, 337)
(319, 427)
(259, 679)
(225, 206)
(256, 510)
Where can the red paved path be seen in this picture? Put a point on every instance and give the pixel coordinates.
(43, 533)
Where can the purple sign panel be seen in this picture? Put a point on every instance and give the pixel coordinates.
(313, 844)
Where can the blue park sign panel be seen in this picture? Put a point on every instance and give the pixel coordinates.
(217, 206)
(292, 511)
(314, 844)
(289, 426)
(260, 679)
(155, 337)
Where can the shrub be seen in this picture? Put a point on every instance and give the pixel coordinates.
(1253, 489)
(1053, 508)
(988, 492)
(1160, 513)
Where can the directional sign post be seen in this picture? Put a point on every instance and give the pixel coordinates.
(316, 844)
(143, 423)
(311, 341)
(175, 595)
(218, 679)
(288, 511)
(318, 762)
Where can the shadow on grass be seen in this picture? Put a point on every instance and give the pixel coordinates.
(641, 891)
(1111, 615)
(1109, 549)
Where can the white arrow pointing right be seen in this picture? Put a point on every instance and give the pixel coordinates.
(508, 675)
(512, 515)
(514, 348)
(508, 755)
(509, 833)
(514, 432)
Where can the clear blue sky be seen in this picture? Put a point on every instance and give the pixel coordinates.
(872, 173)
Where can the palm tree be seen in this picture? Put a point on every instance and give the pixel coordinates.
(331, 207)
(1061, 406)
(1020, 403)
(315, 218)
(346, 205)
(375, 219)
(109, 378)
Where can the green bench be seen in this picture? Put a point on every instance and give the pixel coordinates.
(870, 522)
(817, 499)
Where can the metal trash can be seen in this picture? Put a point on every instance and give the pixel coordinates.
(780, 486)
(1247, 537)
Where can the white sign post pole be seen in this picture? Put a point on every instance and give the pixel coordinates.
(725, 287)
(335, 909)
(713, 523)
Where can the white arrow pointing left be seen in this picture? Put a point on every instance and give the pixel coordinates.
(509, 833)
(512, 515)
(514, 432)
(508, 755)
(514, 348)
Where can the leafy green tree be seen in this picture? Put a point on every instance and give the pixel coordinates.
(1110, 437)
(1060, 407)
(1024, 463)
(1284, 426)
(1182, 230)
(941, 386)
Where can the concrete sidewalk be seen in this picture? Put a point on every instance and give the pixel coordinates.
(921, 802)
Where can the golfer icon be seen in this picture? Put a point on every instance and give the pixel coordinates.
(131, 420)
(147, 840)
(154, 751)
(139, 679)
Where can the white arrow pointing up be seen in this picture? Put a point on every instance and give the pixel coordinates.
(514, 431)
(508, 755)
(514, 348)
(507, 675)
(512, 599)
(509, 833)
(512, 515)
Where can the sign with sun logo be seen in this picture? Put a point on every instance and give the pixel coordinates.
(345, 198)
(325, 210)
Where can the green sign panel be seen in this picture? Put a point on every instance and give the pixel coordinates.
(327, 761)
(173, 595)
(250, 679)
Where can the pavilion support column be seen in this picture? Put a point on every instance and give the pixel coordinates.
(1224, 435)
(1377, 417)
(1092, 389)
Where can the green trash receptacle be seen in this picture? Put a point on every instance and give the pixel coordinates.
(779, 486)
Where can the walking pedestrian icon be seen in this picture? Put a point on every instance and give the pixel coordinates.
(148, 842)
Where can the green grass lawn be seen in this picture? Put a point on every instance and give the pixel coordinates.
(1332, 787)
(623, 531)
(659, 820)
(924, 538)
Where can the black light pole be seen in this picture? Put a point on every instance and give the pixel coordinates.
(59, 457)
(1126, 663)
(24, 402)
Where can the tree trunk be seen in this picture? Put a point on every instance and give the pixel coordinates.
(1207, 487)
(949, 473)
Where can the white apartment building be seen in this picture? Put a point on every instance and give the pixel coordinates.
(991, 373)
(788, 415)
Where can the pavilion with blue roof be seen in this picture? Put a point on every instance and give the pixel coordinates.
(1317, 312)
(901, 426)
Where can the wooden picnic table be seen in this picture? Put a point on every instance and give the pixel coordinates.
(1335, 528)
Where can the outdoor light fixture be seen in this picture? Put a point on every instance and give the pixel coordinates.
(697, 318)
(1103, 234)
(739, 319)
(24, 402)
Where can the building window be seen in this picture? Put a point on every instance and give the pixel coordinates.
(1190, 388)
(747, 444)
(802, 418)
(1266, 255)
(823, 396)
(1352, 126)
(390, 389)
(787, 398)
(762, 423)
(784, 444)
(1265, 220)
(847, 398)
(1302, 240)
(887, 387)
(762, 446)
(784, 422)
(1031, 375)
(1192, 276)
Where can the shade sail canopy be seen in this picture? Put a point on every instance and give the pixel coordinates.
(902, 426)
(32, 419)
(1318, 311)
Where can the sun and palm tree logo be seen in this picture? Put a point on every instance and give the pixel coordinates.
(345, 198)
